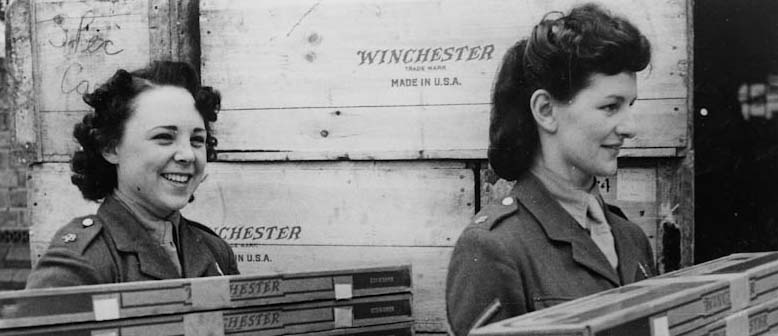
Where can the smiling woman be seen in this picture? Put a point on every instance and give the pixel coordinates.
(143, 154)
(561, 109)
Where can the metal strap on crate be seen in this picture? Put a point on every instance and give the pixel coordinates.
(211, 292)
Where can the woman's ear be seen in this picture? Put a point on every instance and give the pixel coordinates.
(110, 155)
(543, 110)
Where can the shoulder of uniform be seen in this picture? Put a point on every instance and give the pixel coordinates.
(78, 234)
(494, 213)
(201, 227)
(616, 210)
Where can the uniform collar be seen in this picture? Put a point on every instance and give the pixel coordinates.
(130, 236)
(159, 228)
(574, 200)
(560, 226)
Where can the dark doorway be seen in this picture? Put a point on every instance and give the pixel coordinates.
(736, 145)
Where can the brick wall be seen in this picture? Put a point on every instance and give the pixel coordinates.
(13, 175)
(14, 214)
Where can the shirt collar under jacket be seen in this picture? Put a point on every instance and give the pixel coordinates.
(573, 199)
(159, 228)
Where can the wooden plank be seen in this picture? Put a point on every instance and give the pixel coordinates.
(20, 80)
(289, 75)
(458, 131)
(394, 133)
(650, 152)
(338, 203)
(653, 152)
(184, 31)
(172, 29)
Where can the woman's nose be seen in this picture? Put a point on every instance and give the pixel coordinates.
(627, 128)
(184, 153)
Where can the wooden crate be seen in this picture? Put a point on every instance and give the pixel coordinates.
(651, 307)
(760, 268)
(760, 319)
(149, 298)
(320, 91)
(333, 316)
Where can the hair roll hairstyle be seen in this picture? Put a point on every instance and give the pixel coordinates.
(559, 56)
(112, 103)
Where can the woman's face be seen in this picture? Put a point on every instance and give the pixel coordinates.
(161, 156)
(593, 125)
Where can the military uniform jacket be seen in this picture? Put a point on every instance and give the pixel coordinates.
(112, 246)
(529, 253)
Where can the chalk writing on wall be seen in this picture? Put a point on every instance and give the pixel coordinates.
(85, 39)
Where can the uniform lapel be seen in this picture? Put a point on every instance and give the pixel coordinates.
(560, 226)
(130, 237)
(198, 259)
(628, 253)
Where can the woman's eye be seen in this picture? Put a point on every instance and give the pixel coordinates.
(611, 108)
(163, 137)
(197, 141)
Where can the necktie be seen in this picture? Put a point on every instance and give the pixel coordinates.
(169, 245)
(600, 231)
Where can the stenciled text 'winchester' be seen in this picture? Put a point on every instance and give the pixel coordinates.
(426, 55)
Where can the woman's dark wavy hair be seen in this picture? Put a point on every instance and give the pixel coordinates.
(112, 103)
(559, 56)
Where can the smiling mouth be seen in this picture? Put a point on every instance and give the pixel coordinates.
(177, 178)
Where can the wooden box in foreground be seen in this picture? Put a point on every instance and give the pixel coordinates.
(150, 298)
(761, 269)
(653, 307)
(332, 316)
(761, 319)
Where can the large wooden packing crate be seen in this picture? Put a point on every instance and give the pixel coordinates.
(387, 82)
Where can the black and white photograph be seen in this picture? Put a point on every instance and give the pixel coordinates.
(389, 167)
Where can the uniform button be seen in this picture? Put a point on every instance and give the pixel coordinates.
(70, 237)
(507, 201)
(481, 219)
(87, 222)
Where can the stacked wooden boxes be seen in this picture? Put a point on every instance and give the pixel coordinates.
(734, 295)
(352, 133)
(353, 302)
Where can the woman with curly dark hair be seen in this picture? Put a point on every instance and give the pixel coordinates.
(561, 109)
(143, 154)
